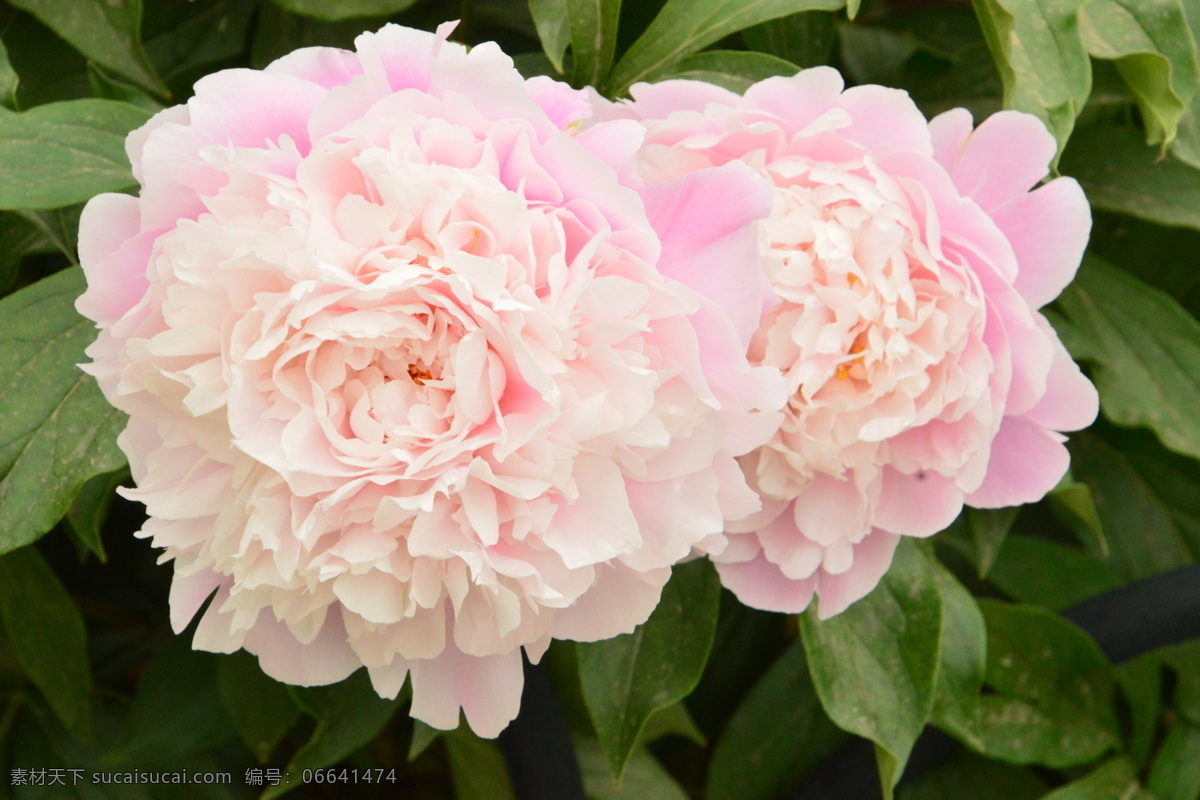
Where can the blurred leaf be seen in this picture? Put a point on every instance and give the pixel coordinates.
(875, 665)
(644, 779)
(970, 777)
(50, 69)
(1053, 689)
(593, 25)
(989, 528)
(1141, 681)
(776, 736)
(735, 70)
(674, 720)
(875, 54)
(181, 42)
(18, 237)
(85, 518)
(1154, 52)
(260, 708)
(1074, 505)
(1184, 661)
(423, 735)
(109, 87)
(60, 226)
(1173, 479)
(806, 39)
(476, 767)
(349, 715)
(1176, 771)
(343, 9)
(686, 26)
(1119, 173)
(1146, 539)
(177, 710)
(553, 27)
(46, 632)
(1145, 349)
(107, 31)
(1041, 58)
(64, 153)
(58, 430)
(1156, 254)
(8, 80)
(1046, 573)
(277, 33)
(1115, 780)
(629, 677)
(963, 658)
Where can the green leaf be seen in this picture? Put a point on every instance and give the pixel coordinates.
(343, 9)
(1046, 573)
(989, 528)
(629, 677)
(18, 237)
(593, 25)
(806, 39)
(106, 31)
(1145, 349)
(278, 33)
(349, 715)
(970, 777)
(260, 708)
(64, 153)
(553, 28)
(1119, 173)
(674, 720)
(423, 735)
(1176, 771)
(686, 26)
(46, 633)
(963, 654)
(57, 429)
(1053, 689)
(8, 80)
(1155, 53)
(735, 70)
(875, 665)
(1141, 681)
(777, 735)
(85, 518)
(1115, 780)
(60, 227)
(476, 767)
(644, 777)
(1075, 506)
(1041, 58)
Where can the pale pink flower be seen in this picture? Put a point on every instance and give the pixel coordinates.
(411, 381)
(905, 262)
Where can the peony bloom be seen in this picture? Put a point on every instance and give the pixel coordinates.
(412, 382)
(904, 263)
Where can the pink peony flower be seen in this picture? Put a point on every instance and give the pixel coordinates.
(411, 381)
(905, 262)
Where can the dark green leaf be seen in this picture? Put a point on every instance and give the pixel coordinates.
(64, 153)
(58, 431)
(18, 237)
(1119, 173)
(476, 767)
(8, 80)
(1154, 51)
(674, 720)
(60, 226)
(553, 27)
(1053, 689)
(349, 715)
(423, 735)
(1041, 58)
(963, 656)
(46, 633)
(85, 518)
(593, 25)
(875, 665)
(969, 777)
(735, 70)
(989, 528)
(777, 735)
(644, 776)
(1116, 780)
(343, 9)
(628, 678)
(260, 708)
(1145, 349)
(278, 33)
(1176, 771)
(107, 31)
(806, 39)
(1075, 506)
(1141, 681)
(1046, 573)
(685, 26)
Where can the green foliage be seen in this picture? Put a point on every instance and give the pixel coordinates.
(343, 9)
(627, 678)
(261, 709)
(736, 70)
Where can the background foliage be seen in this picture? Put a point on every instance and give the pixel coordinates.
(708, 699)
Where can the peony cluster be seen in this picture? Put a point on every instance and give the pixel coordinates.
(427, 365)
(904, 262)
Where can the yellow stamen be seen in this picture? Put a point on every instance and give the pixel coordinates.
(419, 376)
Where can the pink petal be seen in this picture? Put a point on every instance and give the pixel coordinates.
(488, 690)
(327, 659)
(1048, 229)
(885, 121)
(1004, 158)
(114, 255)
(761, 584)
(1070, 402)
(1027, 461)
(660, 100)
(872, 557)
(619, 601)
(324, 66)
(920, 504)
